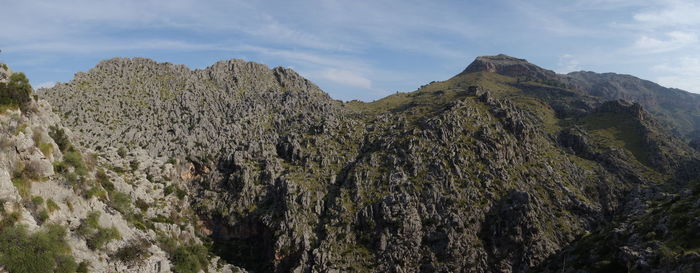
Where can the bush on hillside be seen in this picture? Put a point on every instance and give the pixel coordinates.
(43, 251)
(16, 91)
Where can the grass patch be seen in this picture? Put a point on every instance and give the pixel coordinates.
(619, 130)
(51, 206)
(23, 185)
(46, 149)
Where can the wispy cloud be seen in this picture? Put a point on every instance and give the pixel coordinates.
(676, 40)
(568, 63)
(682, 73)
(346, 77)
(670, 13)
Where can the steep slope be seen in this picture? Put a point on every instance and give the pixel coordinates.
(484, 172)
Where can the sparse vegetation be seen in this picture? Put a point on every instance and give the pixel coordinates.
(95, 235)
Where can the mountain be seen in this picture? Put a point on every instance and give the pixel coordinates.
(678, 109)
(506, 167)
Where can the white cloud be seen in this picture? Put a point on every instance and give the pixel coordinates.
(44, 85)
(346, 77)
(568, 63)
(671, 13)
(676, 40)
(683, 74)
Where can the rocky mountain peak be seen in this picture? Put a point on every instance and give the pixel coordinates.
(509, 66)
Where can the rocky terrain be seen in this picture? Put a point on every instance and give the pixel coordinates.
(69, 209)
(506, 167)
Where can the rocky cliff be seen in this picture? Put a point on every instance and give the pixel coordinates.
(502, 168)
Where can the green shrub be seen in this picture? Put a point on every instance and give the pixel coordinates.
(16, 92)
(121, 152)
(83, 267)
(186, 257)
(73, 158)
(103, 179)
(51, 206)
(142, 205)
(134, 164)
(102, 237)
(180, 193)
(190, 258)
(121, 202)
(73, 179)
(60, 167)
(59, 136)
(44, 251)
(46, 149)
(37, 200)
(96, 192)
(23, 185)
(42, 216)
(169, 189)
(133, 252)
(9, 220)
(95, 235)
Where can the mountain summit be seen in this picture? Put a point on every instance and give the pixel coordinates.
(509, 66)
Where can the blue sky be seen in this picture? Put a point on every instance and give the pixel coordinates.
(358, 49)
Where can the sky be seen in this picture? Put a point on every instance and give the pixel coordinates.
(357, 49)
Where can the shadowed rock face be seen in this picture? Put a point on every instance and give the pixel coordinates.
(495, 170)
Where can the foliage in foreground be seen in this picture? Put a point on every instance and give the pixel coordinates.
(44, 251)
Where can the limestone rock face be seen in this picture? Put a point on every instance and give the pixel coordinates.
(499, 169)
